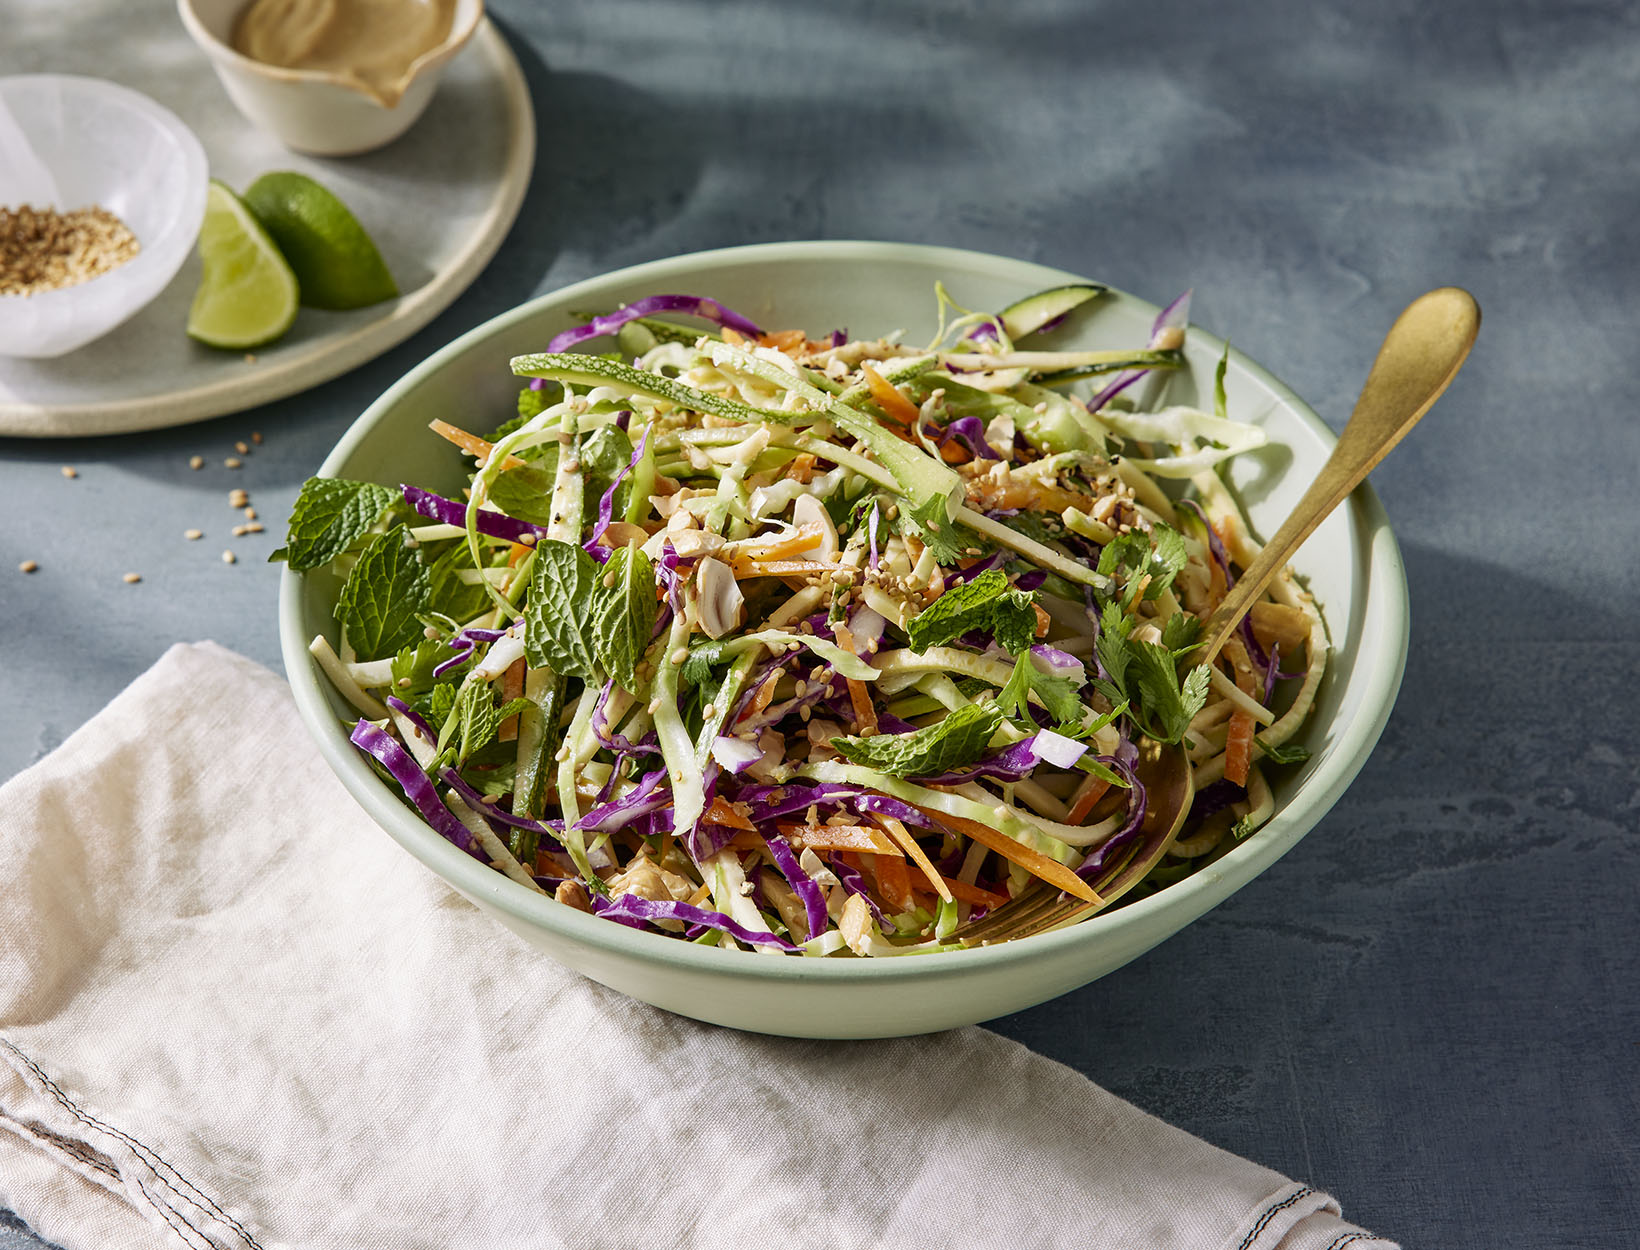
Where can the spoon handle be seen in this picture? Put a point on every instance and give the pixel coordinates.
(1421, 354)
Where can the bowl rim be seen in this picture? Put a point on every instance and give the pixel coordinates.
(223, 52)
(1195, 894)
(151, 264)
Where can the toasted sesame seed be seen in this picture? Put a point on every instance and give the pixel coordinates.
(572, 465)
(228, 557)
(242, 447)
(256, 527)
(680, 655)
(429, 633)
(709, 711)
(237, 498)
(526, 540)
(803, 714)
(250, 514)
(28, 566)
(192, 535)
(196, 462)
(70, 471)
(403, 682)
(654, 706)
(131, 579)
(256, 436)
(609, 580)
(239, 531)
(233, 462)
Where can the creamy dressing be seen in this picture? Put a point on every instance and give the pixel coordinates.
(371, 44)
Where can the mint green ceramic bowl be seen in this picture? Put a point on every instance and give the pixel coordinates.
(1352, 564)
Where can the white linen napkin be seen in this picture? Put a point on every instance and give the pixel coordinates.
(234, 1014)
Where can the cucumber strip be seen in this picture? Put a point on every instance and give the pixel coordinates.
(919, 475)
(575, 369)
(1030, 314)
(1057, 364)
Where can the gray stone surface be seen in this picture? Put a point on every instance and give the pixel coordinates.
(1429, 1007)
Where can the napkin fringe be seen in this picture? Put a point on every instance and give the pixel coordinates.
(126, 1165)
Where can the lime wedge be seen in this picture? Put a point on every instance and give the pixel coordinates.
(336, 262)
(247, 296)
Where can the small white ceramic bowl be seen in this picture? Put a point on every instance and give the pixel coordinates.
(101, 145)
(1352, 564)
(319, 113)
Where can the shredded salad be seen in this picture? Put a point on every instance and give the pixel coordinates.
(816, 646)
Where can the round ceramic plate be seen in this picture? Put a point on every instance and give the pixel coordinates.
(1351, 562)
(437, 201)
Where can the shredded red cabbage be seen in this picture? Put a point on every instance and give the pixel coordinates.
(637, 912)
(546, 831)
(386, 750)
(495, 524)
(1175, 314)
(694, 305)
(1107, 852)
(803, 885)
(606, 504)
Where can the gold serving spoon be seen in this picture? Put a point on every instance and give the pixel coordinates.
(1420, 356)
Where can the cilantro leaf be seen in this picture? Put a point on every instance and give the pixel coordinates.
(986, 603)
(623, 614)
(959, 739)
(1153, 677)
(560, 606)
(384, 594)
(1289, 753)
(938, 532)
(1145, 564)
(330, 515)
(413, 666)
(1180, 633)
(1057, 695)
(698, 669)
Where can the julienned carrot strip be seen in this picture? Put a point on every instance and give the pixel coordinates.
(763, 697)
(472, 444)
(1033, 862)
(908, 844)
(865, 716)
(723, 812)
(802, 467)
(889, 398)
(841, 838)
(516, 553)
(893, 881)
(972, 894)
(1090, 792)
(784, 340)
(1238, 747)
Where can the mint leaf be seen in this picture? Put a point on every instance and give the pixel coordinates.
(604, 454)
(381, 601)
(477, 718)
(959, 739)
(1291, 753)
(526, 492)
(986, 603)
(330, 515)
(562, 585)
(435, 709)
(449, 595)
(623, 615)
